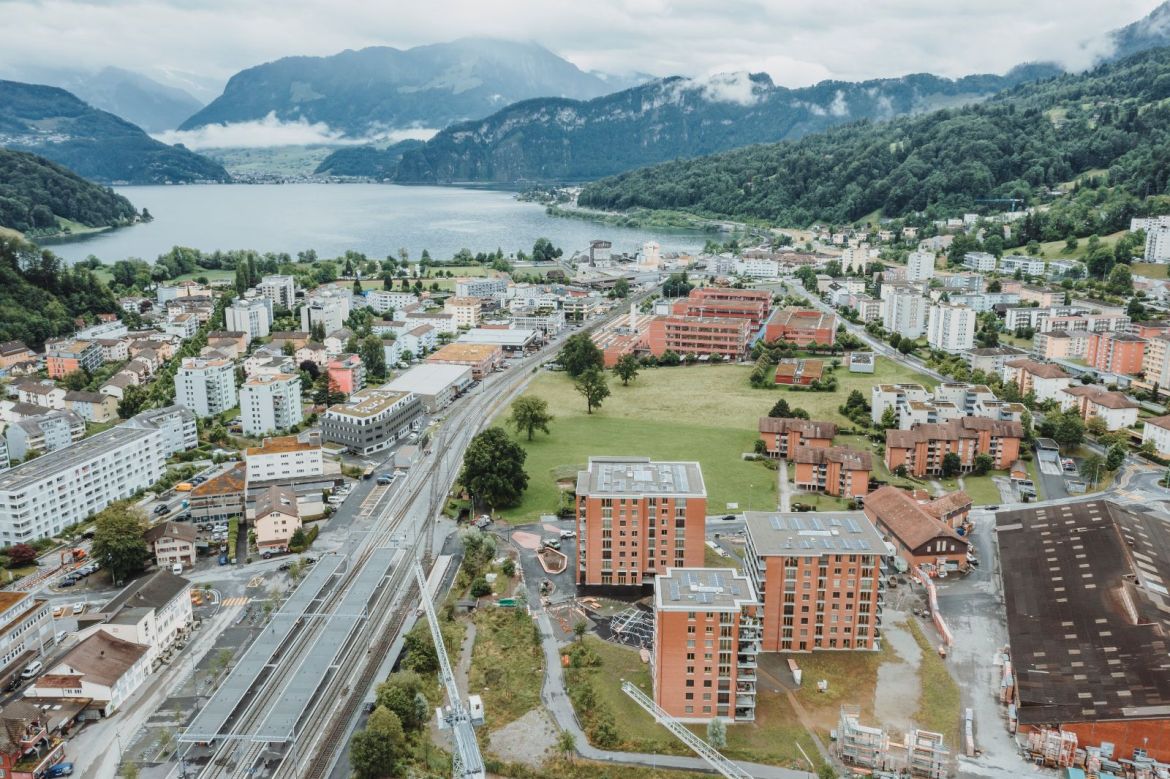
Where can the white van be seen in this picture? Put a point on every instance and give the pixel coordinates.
(177, 569)
(31, 670)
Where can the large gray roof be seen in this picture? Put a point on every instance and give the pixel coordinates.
(813, 534)
(640, 476)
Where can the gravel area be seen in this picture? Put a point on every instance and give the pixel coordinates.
(528, 740)
(898, 684)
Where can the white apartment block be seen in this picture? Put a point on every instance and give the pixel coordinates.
(951, 328)
(984, 301)
(1157, 236)
(982, 262)
(465, 310)
(25, 626)
(281, 290)
(914, 405)
(175, 423)
(904, 312)
(206, 386)
(1030, 316)
(284, 458)
(269, 403)
(920, 266)
(252, 316)
(329, 308)
(484, 287)
(382, 301)
(1157, 429)
(758, 268)
(1028, 266)
(40, 498)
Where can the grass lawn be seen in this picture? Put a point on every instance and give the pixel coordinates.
(938, 702)
(707, 413)
(713, 559)
(507, 664)
(770, 739)
(852, 678)
(982, 489)
(1151, 270)
(1055, 250)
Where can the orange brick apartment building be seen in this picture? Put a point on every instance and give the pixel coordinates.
(835, 470)
(1116, 352)
(801, 326)
(782, 436)
(706, 644)
(922, 448)
(819, 578)
(636, 518)
(752, 305)
(698, 335)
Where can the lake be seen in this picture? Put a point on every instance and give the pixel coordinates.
(375, 219)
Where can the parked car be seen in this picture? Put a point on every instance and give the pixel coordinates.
(61, 769)
(60, 636)
(66, 582)
(383, 480)
(729, 517)
(198, 479)
(177, 569)
(58, 611)
(31, 670)
(552, 543)
(162, 508)
(79, 607)
(568, 534)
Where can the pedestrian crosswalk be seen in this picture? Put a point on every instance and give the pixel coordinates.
(238, 601)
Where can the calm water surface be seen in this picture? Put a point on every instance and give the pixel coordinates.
(375, 219)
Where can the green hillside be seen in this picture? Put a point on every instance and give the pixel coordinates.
(38, 196)
(1018, 144)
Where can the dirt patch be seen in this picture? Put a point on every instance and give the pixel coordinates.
(529, 740)
(898, 680)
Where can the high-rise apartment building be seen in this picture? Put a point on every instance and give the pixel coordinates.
(920, 266)
(252, 316)
(270, 402)
(206, 386)
(281, 290)
(951, 328)
(706, 644)
(819, 579)
(636, 518)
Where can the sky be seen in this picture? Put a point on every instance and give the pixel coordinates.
(198, 44)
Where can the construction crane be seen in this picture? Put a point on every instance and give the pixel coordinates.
(1012, 200)
(466, 761)
(728, 769)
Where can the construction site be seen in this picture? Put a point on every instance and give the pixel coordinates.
(877, 752)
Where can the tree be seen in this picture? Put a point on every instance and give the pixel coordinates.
(1069, 430)
(780, 410)
(579, 628)
(118, 543)
(21, 555)
(317, 332)
(529, 414)
(626, 368)
(621, 288)
(401, 694)
(493, 469)
(982, 464)
(1096, 426)
(951, 465)
(327, 392)
(579, 354)
(133, 399)
(593, 387)
(544, 251)
(717, 733)
(1092, 467)
(1115, 456)
(373, 356)
(377, 751)
(889, 419)
(75, 380)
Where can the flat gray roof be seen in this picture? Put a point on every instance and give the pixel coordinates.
(323, 658)
(703, 589)
(49, 465)
(211, 719)
(813, 534)
(513, 337)
(429, 378)
(640, 476)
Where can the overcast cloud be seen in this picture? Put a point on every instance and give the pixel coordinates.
(198, 44)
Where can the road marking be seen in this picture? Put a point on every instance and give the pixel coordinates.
(256, 581)
(237, 601)
(371, 501)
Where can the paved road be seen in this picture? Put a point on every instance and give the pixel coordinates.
(784, 491)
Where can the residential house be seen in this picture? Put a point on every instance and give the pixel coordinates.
(285, 457)
(1045, 380)
(172, 542)
(41, 393)
(13, 352)
(783, 436)
(92, 406)
(347, 372)
(313, 352)
(1115, 408)
(65, 357)
(281, 290)
(114, 349)
(275, 518)
(834, 470)
(103, 668)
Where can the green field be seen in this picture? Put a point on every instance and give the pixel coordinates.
(1055, 250)
(707, 413)
(1151, 270)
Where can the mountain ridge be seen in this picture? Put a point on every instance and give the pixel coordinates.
(97, 145)
(35, 194)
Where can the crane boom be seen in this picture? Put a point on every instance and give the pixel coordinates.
(466, 761)
(700, 747)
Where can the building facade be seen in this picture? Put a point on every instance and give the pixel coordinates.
(819, 578)
(269, 403)
(835, 470)
(801, 326)
(206, 386)
(1116, 352)
(371, 421)
(951, 328)
(708, 336)
(706, 644)
(250, 315)
(784, 436)
(286, 457)
(636, 518)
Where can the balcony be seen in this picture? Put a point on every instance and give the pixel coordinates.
(745, 714)
(744, 701)
(745, 661)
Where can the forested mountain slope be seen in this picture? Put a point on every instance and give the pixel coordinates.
(36, 193)
(1115, 117)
